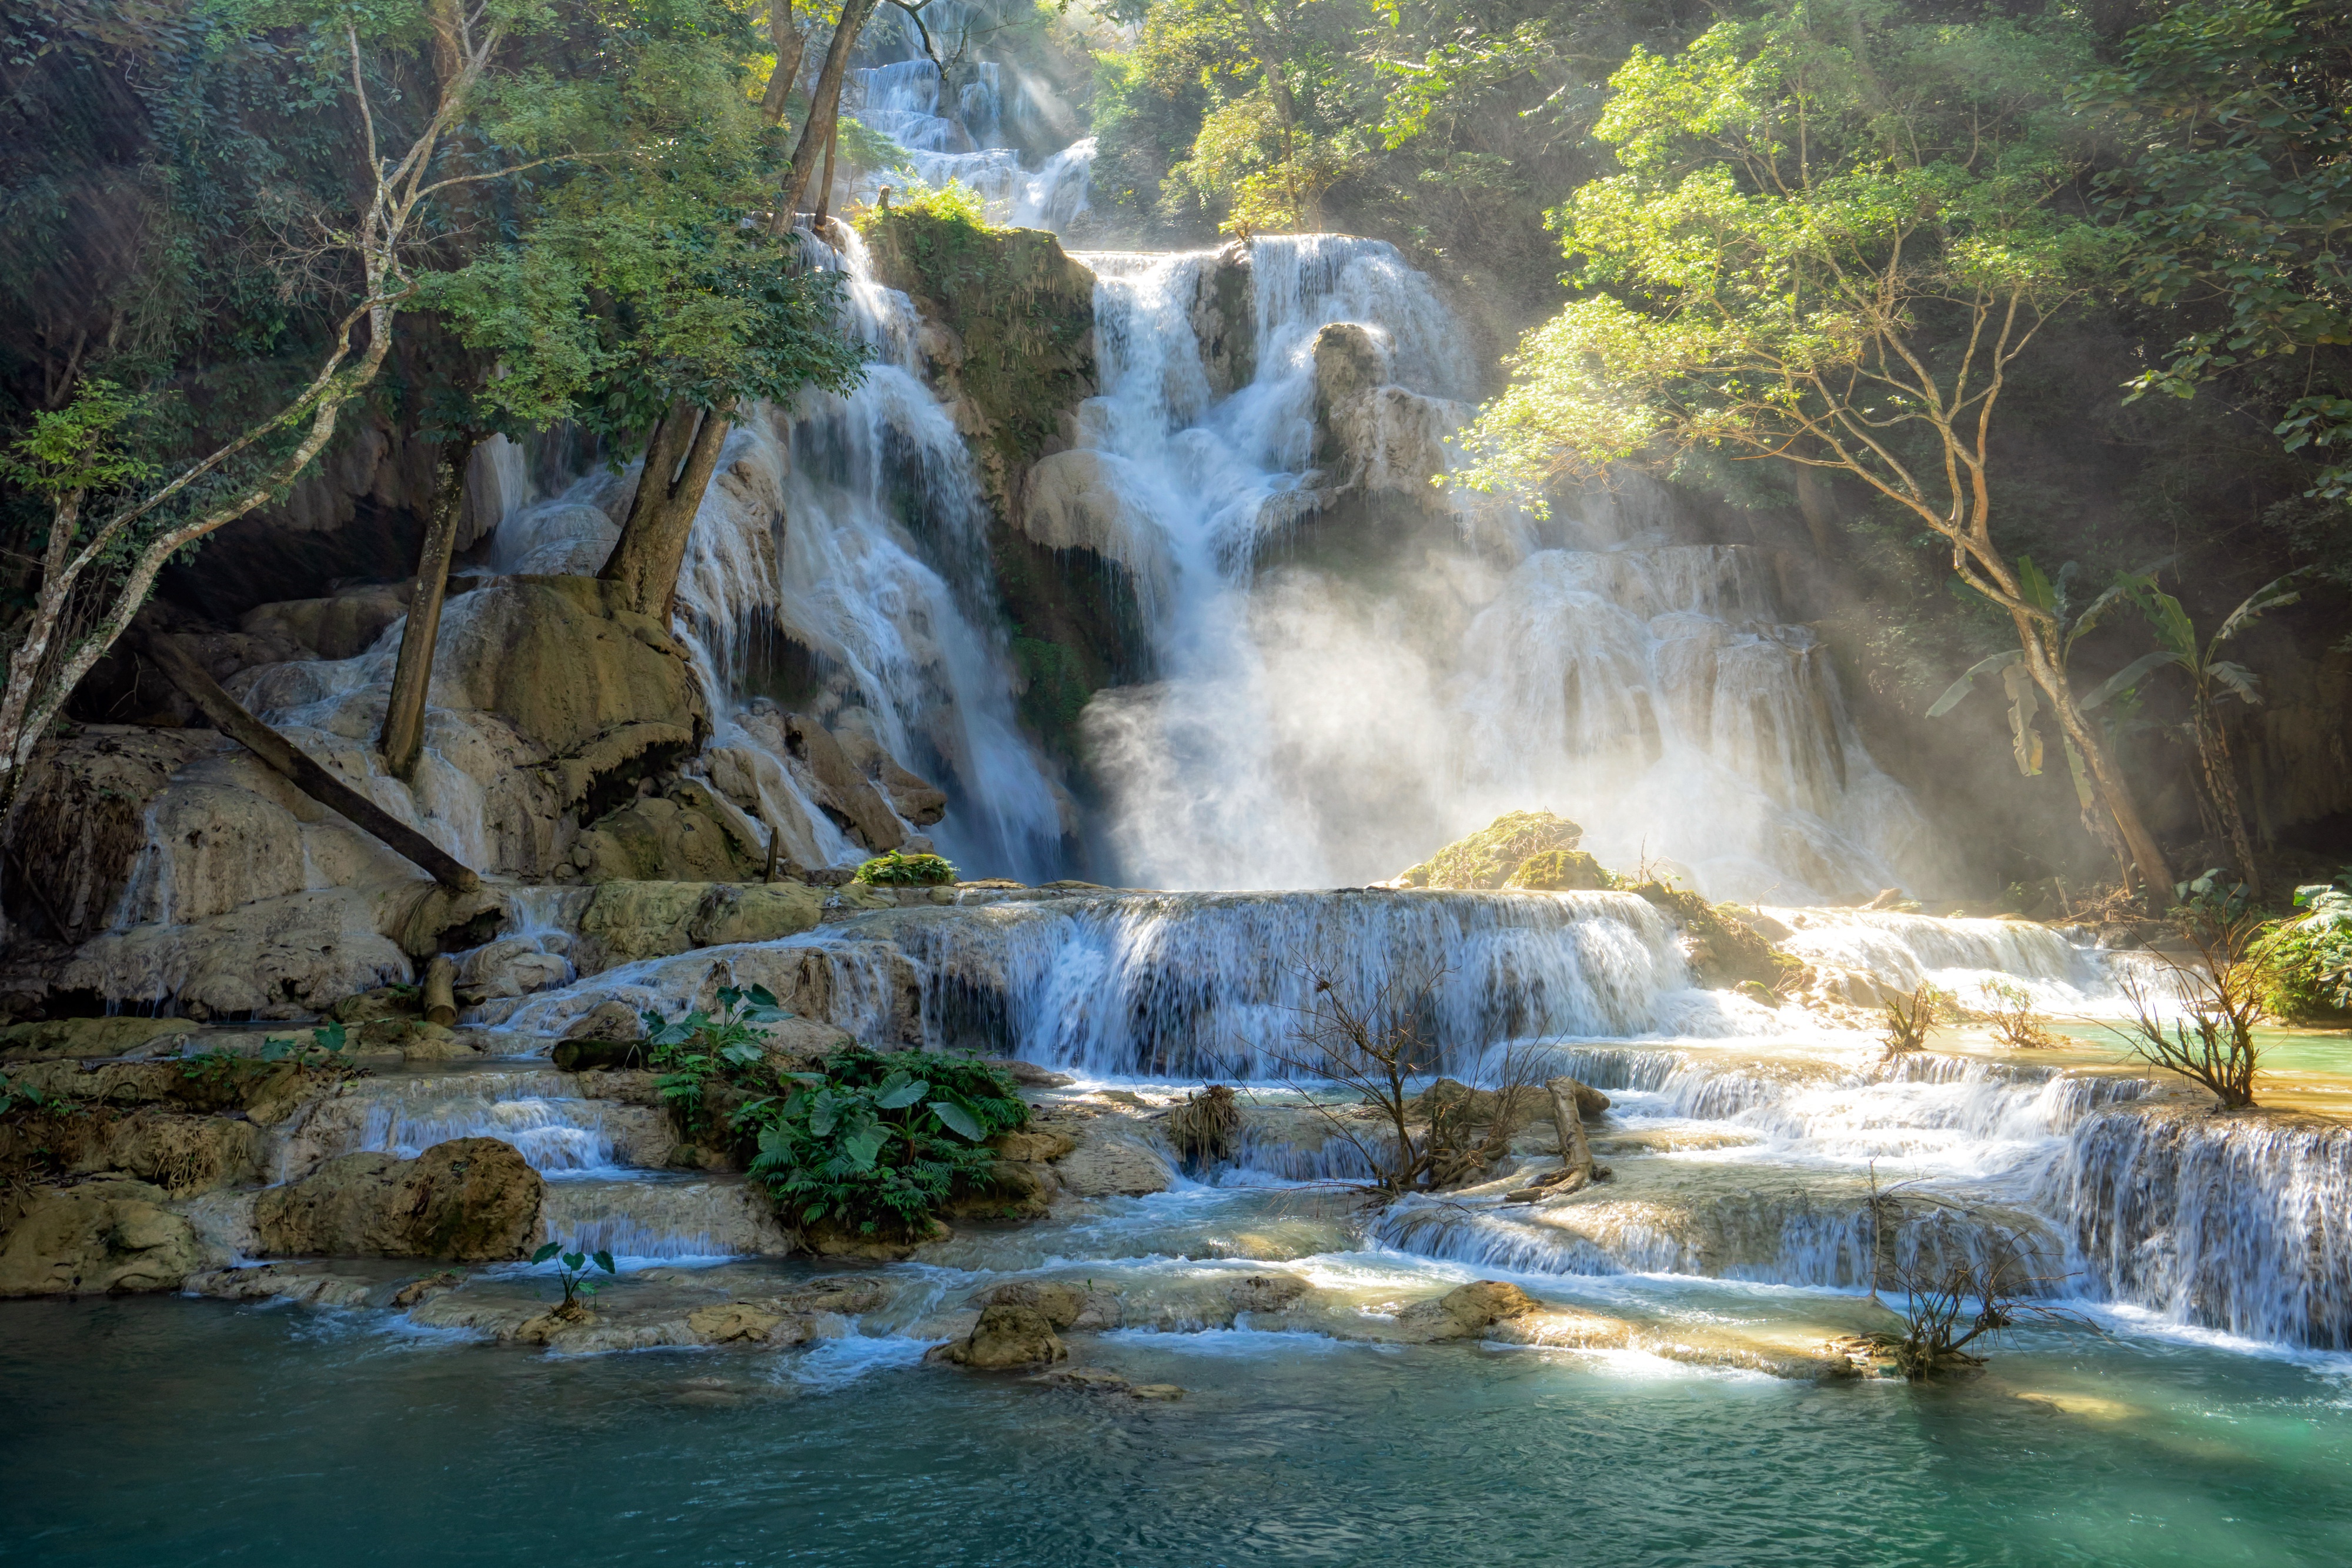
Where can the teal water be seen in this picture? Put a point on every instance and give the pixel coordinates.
(180, 1432)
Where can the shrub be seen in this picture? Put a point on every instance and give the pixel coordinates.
(2308, 962)
(954, 202)
(2009, 1007)
(702, 1046)
(894, 870)
(876, 1143)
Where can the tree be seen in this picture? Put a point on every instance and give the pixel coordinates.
(1830, 242)
(96, 570)
(2238, 200)
(2209, 675)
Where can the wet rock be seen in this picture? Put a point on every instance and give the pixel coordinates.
(1015, 1189)
(513, 967)
(630, 920)
(339, 627)
(734, 1321)
(679, 836)
(472, 1199)
(1079, 1308)
(78, 1039)
(100, 1237)
(828, 1241)
(418, 1291)
(1107, 1165)
(1267, 1293)
(1465, 1311)
(755, 912)
(1034, 1143)
(304, 1283)
(1029, 1075)
(183, 1155)
(1095, 1380)
(1006, 1337)
(82, 818)
(607, 1023)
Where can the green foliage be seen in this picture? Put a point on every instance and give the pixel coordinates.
(27, 1098)
(702, 1047)
(571, 1270)
(329, 1046)
(896, 870)
(2307, 961)
(954, 203)
(1489, 857)
(2238, 197)
(875, 1144)
(80, 446)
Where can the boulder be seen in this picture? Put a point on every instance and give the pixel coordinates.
(755, 912)
(513, 967)
(631, 920)
(1007, 1336)
(1465, 1311)
(336, 628)
(183, 1155)
(1108, 1165)
(100, 1237)
(842, 790)
(609, 1022)
(1061, 1305)
(1267, 1293)
(470, 1200)
(732, 1321)
(1491, 856)
(1560, 871)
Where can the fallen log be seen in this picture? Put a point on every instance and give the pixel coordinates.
(305, 773)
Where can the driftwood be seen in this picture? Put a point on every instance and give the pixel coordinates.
(307, 775)
(441, 990)
(1575, 1148)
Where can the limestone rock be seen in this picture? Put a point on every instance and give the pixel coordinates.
(1033, 1143)
(632, 920)
(306, 1283)
(1560, 871)
(1006, 1337)
(81, 817)
(755, 912)
(860, 738)
(514, 966)
(1465, 1311)
(1061, 1303)
(1267, 1293)
(842, 791)
(183, 1155)
(334, 628)
(1109, 1166)
(1089, 500)
(730, 1322)
(470, 1199)
(100, 1237)
(55, 1038)
(615, 1023)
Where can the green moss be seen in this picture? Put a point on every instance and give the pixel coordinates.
(1488, 858)
(1561, 870)
(1725, 949)
(1024, 312)
(894, 870)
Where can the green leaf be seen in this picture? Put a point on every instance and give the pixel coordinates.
(904, 1093)
(862, 1148)
(1966, 682)
(958, 1120)
(574, 1260)
(329, 1036)
(544, 1253)
(2123, 680)
(604, 1261)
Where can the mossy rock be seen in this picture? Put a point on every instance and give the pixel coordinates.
(1561, 870)
(894, 870)
(1726, 951)
(1492, 856)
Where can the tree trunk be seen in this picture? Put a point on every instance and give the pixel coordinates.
(824, 110)
(306, 773)
(679, 461)
(1575, 1148)
(403, 740)
(2221, 787)
(824, 181)
(791, 44)
(2107, 780)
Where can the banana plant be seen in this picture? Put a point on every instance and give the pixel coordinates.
(2210, 677)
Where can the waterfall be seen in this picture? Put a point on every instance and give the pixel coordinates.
(959, 138)
(1311, 730)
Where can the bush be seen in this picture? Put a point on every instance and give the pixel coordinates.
(954, 202)
(702, 1046)
(875, 1144)
(2308, 962)
(894, 870)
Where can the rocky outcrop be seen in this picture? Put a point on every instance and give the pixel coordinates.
(100, 1237)
(1006, 1338)
(626, 921)
(341, 626)
(1372, 438)
(1080, 1308)
(1492, 856)
(469, 1200)
(80, 822)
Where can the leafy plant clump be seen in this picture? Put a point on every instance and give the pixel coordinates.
(2009, 1007)
(875, 1144)
(2307, 961)
(700, 1047)
(572, 1269)
(953, 203)
(2206, 1034)
(1908, 1020)
(894, 870)
(330, 1046)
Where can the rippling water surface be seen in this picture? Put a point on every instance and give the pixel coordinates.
(168, 1432)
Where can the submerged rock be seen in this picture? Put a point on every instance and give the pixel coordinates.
(101, 1237)
(471, 1199)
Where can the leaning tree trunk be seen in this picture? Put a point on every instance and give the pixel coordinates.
(2108, 781)
(824, 110)
(403, 740)
(790, 43)
(679, 461)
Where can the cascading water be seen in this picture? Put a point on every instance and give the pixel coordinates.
(1310, 729)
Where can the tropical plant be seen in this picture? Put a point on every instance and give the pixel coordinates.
(2308, 960)
(571, 1270)
(894, 870)
(328, 1046)
(1909, 1020)
(25, 1097)
(2209, 675)
(875, 1144)
(691, 1052)
(1834, 237)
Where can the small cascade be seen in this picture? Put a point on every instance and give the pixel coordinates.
(1900, 952)
(2237, 1223)
(958, 134)
(665, 1217)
